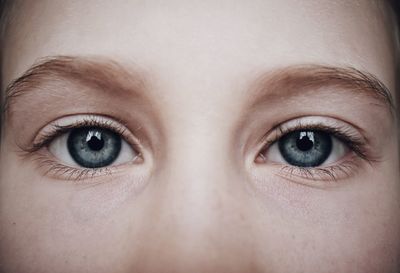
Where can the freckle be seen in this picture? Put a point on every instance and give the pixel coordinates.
(14, 223)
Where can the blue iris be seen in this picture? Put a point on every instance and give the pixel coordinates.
(93, 147)
(305, 148)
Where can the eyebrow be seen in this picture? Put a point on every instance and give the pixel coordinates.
(290, 80)
(100, 73)
(109, 76)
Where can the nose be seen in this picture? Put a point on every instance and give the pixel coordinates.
(198, 216)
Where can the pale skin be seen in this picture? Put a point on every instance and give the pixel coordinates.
(183, 79)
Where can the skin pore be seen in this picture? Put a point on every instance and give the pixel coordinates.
(200, 92)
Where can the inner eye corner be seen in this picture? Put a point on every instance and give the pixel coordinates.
(259, 158)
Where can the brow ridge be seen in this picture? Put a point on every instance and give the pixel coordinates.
(97, 72)
(314, 76)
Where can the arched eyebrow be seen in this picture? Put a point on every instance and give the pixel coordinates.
(105, 75)
(99, 73)
(294, 80)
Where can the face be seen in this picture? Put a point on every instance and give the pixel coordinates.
(211, 136)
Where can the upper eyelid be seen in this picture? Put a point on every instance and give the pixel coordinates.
(318, 122)
(54, 129)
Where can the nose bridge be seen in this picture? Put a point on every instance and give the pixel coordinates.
(196, 189)
(199, 218)
(198, 206)
(198, 172)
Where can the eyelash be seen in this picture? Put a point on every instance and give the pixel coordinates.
(73, 173)
(356, 144)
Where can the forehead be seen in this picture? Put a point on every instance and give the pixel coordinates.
(221, 39)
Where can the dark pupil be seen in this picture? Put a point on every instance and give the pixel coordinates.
(305, 148)
(304, 143)
(95, 143)
(93, 147)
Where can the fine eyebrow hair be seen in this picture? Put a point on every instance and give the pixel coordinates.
(100, 73)
(289, 80)
(106, 75)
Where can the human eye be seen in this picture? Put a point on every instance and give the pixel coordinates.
(80, 147)
(315, 148)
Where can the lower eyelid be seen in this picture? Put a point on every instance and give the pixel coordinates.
(320, 175)
(50, 166)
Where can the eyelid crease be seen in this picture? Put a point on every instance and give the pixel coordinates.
(52, 167)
